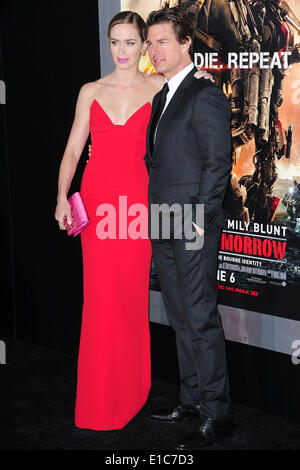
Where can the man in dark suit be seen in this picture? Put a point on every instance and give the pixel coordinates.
(189, 161)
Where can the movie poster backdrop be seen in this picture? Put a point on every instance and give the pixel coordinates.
(252, 49)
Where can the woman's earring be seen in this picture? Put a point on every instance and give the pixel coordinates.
(143, 52)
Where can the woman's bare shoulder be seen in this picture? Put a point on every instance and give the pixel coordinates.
(97, 84)
(90, 89)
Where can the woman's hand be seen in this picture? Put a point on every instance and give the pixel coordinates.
(204, 74)
(62, 211)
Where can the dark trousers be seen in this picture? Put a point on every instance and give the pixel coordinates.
(189, 290)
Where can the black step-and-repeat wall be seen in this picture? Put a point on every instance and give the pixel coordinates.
(49, 50)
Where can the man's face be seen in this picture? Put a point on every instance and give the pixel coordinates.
(166, 54)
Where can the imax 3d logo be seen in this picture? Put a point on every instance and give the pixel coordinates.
(2, 352)
(2, 92)
(296, 354)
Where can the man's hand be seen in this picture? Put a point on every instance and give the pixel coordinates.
(204, 74)
(199, 229)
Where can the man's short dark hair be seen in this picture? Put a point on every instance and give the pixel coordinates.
(182, 25)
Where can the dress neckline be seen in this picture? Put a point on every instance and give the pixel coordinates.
(120, 125)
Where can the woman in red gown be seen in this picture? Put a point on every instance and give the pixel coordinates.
(113, 374)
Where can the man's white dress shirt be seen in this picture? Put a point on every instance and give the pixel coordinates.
(173, 84)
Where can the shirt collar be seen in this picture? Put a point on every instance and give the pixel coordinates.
(175, 81)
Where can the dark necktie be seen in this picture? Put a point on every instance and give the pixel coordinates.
(159, 109)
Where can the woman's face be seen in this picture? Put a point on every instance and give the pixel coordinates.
(125, 45)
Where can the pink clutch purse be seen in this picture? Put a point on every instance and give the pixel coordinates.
(80, 218)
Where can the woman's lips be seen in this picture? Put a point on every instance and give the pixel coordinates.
(122, 61)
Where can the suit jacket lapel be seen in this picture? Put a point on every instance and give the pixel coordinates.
(172, 106)
(154, 106)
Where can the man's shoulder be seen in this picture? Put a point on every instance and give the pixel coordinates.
(205, 90)
(205, 86)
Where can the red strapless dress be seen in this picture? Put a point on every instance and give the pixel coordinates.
(113, 371)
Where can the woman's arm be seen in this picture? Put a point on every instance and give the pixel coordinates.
(76, 142)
